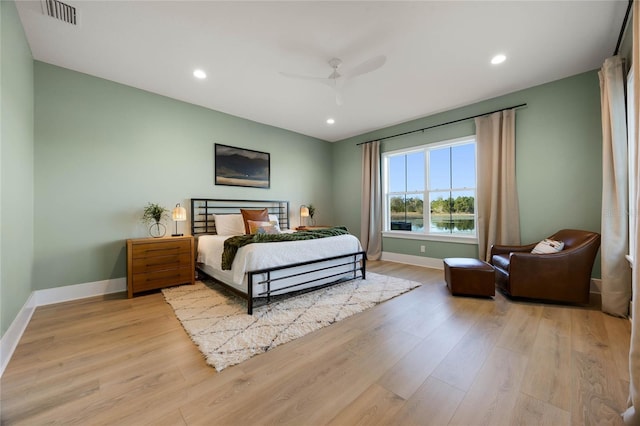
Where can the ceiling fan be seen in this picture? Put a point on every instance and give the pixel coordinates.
(336, 80)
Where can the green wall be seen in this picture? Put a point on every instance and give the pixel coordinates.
(104, 150)
(558, 161)
(16, 165)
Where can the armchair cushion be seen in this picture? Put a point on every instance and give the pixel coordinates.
(501, 261)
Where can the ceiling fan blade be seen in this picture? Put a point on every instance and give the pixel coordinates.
(334, 83)
(368, 66)
(338, 81)
(302, 77)
(337, 84)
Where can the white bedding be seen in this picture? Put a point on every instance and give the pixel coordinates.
(267, 255)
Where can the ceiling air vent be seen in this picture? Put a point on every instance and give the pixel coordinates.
(61, 11)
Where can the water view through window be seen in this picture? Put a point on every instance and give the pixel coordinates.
(445, 176)
(462, 223)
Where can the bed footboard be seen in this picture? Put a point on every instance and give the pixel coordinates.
(357, 261)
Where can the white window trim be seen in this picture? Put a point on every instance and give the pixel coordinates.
(425, 236)
(447, 238)
(631, 152)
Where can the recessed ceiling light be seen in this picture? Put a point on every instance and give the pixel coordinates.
(200, 74)
(330, 121)
(498, 59)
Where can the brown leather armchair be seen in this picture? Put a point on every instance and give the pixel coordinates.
(561, 277)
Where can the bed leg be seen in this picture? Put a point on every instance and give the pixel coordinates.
(250, 294)
(364, 266)
(268, 287)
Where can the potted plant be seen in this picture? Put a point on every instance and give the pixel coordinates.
(312, 211)
(153, 214)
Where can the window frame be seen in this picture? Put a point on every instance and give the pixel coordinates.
(425, 234)
(631, 153)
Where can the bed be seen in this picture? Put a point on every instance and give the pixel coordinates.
(260, 271)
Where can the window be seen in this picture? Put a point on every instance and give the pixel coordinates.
(443, 174)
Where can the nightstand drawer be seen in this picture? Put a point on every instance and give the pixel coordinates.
(155, 263)
(163, 248)
(159, 263)
(159, 279)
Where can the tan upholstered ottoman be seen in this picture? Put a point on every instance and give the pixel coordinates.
(470, 277)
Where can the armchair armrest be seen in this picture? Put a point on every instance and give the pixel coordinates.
(504, 249)
(546, 260)
(562, 276)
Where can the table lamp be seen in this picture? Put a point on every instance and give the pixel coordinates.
(304, 212)
(178, 214)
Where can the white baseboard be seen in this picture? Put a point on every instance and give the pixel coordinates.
(11, 338)
(428, 262)
(79, 291)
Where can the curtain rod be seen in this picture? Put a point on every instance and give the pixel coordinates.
(442, 124)
(624, 26)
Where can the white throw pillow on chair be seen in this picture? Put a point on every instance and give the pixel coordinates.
(547, 246)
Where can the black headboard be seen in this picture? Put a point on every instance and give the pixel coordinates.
(204, 209)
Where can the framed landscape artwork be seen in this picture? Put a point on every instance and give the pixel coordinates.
(241, 167)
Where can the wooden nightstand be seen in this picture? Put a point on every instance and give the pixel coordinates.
(154, 263)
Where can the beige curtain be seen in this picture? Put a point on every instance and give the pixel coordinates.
(498, 214)
(616, 275)
(632, 415)
(371, 207)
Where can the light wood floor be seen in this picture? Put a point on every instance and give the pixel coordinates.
(422, 358)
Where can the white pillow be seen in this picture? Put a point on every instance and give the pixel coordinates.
(548, 246)
(229, 224)
(274, 218)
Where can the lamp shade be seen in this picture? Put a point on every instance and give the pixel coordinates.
(179, 213)
(304, 211)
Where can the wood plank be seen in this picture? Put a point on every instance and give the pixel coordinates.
(597, 393)
(618, 336)
(461, 365)
(375, 406)
(412, 370)
(113, 360)
(595, 398)
(521, 327)
(320, 390)
(435, 403)
(548, 374)
(531, 411)
(492, 398)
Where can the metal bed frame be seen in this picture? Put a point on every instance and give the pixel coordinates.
(203, 223)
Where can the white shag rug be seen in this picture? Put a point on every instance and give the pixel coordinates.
(217, 320)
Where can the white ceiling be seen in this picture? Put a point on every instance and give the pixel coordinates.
(438, 53)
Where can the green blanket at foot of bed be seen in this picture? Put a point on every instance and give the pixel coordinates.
(231, 245)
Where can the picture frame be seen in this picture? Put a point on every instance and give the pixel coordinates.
(235, 166)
